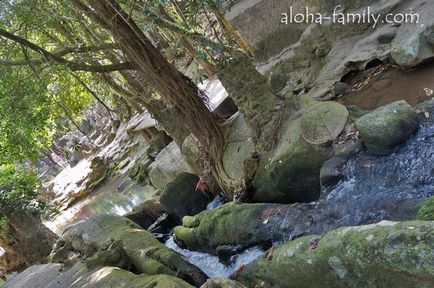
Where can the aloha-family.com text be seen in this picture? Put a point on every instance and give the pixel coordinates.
(366, 16)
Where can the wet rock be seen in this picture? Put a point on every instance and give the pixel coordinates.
(52, 276)
(146, 253)
(332, 171)
(387, 254)
(163, 227)
(222, 283)
(386, 127)
(146, 213)
(168, 164)
(426, 210)
(181, 198)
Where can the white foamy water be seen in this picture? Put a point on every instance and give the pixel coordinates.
(210, 264)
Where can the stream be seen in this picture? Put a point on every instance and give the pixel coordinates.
(373, 189)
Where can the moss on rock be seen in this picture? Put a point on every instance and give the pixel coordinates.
(230, 224)
(387, 254)
(386, 127)
(292, 176)
(426, 210)
(52, 276)
(142, 249)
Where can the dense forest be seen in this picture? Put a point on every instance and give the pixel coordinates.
(203, 143)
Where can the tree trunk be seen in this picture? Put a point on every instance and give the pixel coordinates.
(180, 94)
(26, 241)
(254, 97)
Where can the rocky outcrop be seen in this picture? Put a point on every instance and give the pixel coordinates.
(146, 213)
(108, 234)
(386, 127)
(79, 276)
(386, 254)
(168, 164)
(414, 43)
(25, 240)
(181, 197)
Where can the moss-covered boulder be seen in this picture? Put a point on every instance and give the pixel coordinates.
(79, 276)
(143, 250)
(292, 175)
(181, 197)
(232, 224)
(222, 283)
(386, 127)
(146, 213)
(426, 210)
(387, 254)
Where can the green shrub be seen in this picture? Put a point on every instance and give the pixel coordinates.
(19, 190)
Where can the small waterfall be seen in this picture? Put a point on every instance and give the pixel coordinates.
(210, 264)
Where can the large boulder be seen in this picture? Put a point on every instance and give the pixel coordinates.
(168, 164)
(292, 175)
(81, 276)
(146, 213)
(113, 233)
(181, 197)
(414, 43)
(387, 254)
(386, 127)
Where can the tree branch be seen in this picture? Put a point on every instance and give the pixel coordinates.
(56, 57)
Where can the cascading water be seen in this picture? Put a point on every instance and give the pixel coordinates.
(210, 264)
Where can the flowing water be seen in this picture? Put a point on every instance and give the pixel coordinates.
(210, 264)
